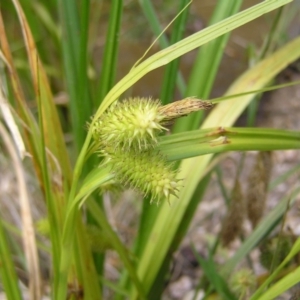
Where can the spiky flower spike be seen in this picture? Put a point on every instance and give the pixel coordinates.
(146, 171)
(132, 123)
(126, 135)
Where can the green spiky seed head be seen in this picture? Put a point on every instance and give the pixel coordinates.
(131, 123)
(146, 171)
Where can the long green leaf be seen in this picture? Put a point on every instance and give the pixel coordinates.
(172, 69)
(171, 73)
(218, 140)
(109, 60)
(74, 32)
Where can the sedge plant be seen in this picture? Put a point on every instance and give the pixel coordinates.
(124, 144)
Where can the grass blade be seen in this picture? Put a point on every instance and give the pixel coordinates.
(206, 65)
(109, 60)
(75, 31)
(172, 69)
(214, 277)
(200, 142)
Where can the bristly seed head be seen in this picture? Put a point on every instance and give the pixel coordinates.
(146, 171)
(131, 123)
(126, 134)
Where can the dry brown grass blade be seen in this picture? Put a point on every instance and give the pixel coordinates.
(52, 128)
(11, 124)
(28, 233)
(29, 128)
(18, 92)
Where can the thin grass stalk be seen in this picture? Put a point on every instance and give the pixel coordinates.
(51, 209)
(206, 65)
(83, 81)
(153, 20)
(284, 176)
(154, 23)
(273, 34)
(172, 69)
(265, 50)
(262, 90)
(111, 49)
(44, 15)
(85, 94)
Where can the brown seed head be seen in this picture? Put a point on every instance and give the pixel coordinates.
(182, 108)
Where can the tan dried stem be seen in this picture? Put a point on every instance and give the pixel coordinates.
(11, 124)
(28, 233)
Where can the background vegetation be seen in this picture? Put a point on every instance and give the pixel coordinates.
(55, 79)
